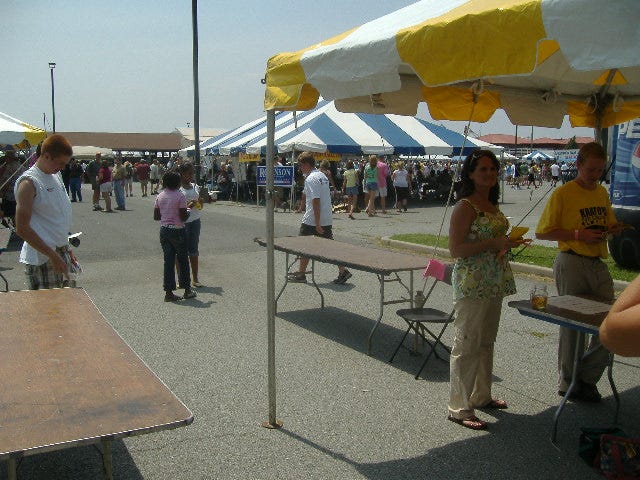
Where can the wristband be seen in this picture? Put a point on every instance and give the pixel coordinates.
(575, 234)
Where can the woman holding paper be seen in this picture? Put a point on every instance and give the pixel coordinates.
(481, 278)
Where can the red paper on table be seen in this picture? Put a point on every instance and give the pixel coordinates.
(435, 269)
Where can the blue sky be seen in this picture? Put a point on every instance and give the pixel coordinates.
(124, 66)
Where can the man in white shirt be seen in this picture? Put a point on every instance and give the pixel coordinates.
(43, 216)
(555, 173)
(318, 215)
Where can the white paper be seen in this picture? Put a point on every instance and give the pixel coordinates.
(579, 305)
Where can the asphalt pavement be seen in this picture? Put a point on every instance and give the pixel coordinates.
(346, 414)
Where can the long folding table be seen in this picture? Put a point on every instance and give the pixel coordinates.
(386, 265)
(582, 322)
(69, 379)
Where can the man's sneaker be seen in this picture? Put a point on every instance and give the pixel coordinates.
(190, 294)
(297, 277)
(97, 208)
(343, 277)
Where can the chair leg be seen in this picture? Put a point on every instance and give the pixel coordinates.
(433, 349)
(400, 344)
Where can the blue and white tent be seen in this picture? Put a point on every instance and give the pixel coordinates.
(326, 129)
(538, 156)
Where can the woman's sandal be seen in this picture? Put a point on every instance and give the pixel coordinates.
(495, 404)
(472, 422)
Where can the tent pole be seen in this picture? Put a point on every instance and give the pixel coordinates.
(271, 303)
(196, 89)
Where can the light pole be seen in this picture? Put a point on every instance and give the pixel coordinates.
(52, 65)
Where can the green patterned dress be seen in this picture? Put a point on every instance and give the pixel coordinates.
(487, 274)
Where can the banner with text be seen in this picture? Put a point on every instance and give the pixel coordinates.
(248, 157)
(283, 176)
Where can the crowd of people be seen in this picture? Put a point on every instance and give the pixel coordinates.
(532, 174)
(578, 216)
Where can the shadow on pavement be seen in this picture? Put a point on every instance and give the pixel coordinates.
(76, 463)
(352, 330)
(516, 446)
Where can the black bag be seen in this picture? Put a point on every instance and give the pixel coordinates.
(589, 443)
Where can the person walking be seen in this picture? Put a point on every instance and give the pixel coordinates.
(383, 174)
(481, 278)
(371, 184)
(317, 219)
(350, 187)
(92, 172)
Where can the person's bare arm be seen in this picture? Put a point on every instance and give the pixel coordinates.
(461, 219)
(590, 236)
(156, 214)
(315, 202)
(620, 331)
(24, 209)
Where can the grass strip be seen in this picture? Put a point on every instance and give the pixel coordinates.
(532, 255)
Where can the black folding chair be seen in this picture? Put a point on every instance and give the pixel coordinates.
(418, 319)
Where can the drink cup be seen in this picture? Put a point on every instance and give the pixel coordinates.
(539, 297)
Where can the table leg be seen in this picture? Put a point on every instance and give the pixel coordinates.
(613, 387)
(313, 280)
(107, 459)
(12, 469)
(286, 280)
(375, 327)
(574, 380)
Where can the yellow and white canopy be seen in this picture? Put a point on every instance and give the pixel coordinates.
(19, 134)
(539, 60)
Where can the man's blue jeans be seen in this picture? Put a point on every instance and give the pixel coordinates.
(118, 190)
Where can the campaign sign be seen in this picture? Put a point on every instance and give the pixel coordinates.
(283, 176)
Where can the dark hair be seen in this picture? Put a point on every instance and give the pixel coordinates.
(185, 166)
(56, 145)
(171, 180)
(467, 187)
(349, 164)
(307, 157)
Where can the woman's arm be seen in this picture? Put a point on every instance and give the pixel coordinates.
(620, 331)
(461, 220)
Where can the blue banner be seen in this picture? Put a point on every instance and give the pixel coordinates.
(283, 176)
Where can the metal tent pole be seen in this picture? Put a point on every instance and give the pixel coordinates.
(271, 311)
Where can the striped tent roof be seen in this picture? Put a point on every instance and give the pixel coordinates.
(538, 60)
(18, 134)
(326, 129)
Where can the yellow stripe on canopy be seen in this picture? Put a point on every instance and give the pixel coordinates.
(287, 87)
(471, 42)
(455, 103)
(582, 115)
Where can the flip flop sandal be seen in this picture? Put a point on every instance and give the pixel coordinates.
(473, 422)
(494, 404)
